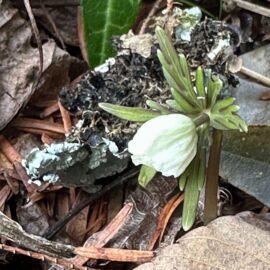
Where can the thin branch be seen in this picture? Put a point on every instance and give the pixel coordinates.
(114, 254)
(37, 37)
(43, 257)
(13, 231)
(57, 226)
(149, 16)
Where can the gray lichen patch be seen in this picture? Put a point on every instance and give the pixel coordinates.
(72, 164)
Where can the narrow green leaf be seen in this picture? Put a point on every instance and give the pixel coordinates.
(223, 104)
(174, 105)
(129, 113)
(183, 103)
(184, 177)
(213, 89)
(146, 175)
(103, 19)
(191, 197)
(200, 85)
(175, 68)
(202, 169)
(156, 106)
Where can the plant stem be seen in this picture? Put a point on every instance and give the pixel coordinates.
(212, 176)
(201, 119)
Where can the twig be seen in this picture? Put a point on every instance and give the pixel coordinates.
(4, 195)
(46, 139)
(164, 217)
(149, 16)
(15, 158)
(37, 37)
(101, 238)
(54, 229)
(113, 254)
(43, 257)
(13, 231)
(66, 117)
(23, 122)
(49, 110)
(53, 135)
(55, 29)
(255, 75)
(52, 3)
(212, 176)
(8, 150)
(253, 7)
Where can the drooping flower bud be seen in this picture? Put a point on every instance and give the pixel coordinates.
(167, 143)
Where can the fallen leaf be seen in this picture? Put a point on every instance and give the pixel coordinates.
(231, 242)
(245, 161)
(20, 65)
(32, 218)
(65, 21)
(76, 228)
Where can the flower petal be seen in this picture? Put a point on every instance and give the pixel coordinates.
(168, 143)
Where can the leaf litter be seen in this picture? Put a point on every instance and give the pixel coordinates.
(133, 77)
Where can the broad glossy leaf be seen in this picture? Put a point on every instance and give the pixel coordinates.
(102, 20)
(129, 113)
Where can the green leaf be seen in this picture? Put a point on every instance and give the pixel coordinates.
(223, 116)
(174, 105)
(103, 19)
(129, 113)
(182, 103)
(175, 68)
(184, 177)
(146, 175)
(213, 89)
(191, 196)
(200, 85)
(156, 106)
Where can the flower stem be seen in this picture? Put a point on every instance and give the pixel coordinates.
(201, 119)
(212, 177)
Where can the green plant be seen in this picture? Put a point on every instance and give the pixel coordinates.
(102, 19)
(175, 136)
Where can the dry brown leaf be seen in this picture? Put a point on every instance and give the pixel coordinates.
(233, 242)
(76, 228)
(20, 66)
(32, 218)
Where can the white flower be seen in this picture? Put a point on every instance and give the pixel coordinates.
(168, 143)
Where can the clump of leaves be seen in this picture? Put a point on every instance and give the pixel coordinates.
(174, 137)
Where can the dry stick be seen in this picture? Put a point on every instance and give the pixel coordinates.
(37, 37)
(24, 122)
(4, 194)
(175, 204)
(15, 158)
(101, 238)
(66, 117)
(54, 229)
(164, 217)
(212, 176)
(113, 254)
(52, 3)
(55, 29)
(149, 17)
(13, 231)
(53, 135)
(43, 257)
(253, 7)
(255, 75)
(49, 110)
